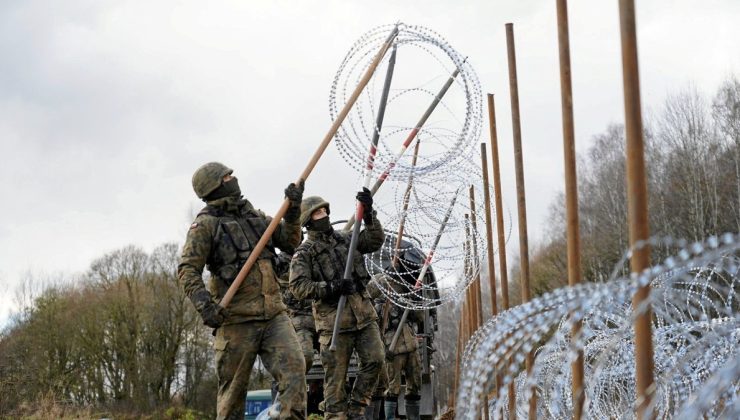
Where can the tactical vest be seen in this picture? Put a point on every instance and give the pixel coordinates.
(328, 262)
(234, 241)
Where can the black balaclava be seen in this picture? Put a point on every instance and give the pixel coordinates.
(320, 225)
(229, 188)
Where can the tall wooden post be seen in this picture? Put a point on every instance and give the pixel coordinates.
(571, 191)
(500, 229)
(637, 202)
(520, 193)
(489, 229)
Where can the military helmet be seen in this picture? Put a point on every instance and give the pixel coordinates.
(310, 205)
(209, 177)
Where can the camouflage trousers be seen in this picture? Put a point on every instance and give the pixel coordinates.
(408, 364)
(275, 341)
(369, 347)
(306, 332)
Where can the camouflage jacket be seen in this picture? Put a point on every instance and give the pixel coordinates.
(221, 238)
(407, 341)
(321, 259)
(296, 307)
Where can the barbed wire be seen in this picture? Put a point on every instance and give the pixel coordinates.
(693, 297)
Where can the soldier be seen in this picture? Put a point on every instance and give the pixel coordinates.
(404, 359)
(221, 238)
(316, 273)
(299, 311)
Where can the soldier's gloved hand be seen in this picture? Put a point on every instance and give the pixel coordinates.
(359, 286)
(332, 290)
(294, 192)
(366, 199)
(389, 355)
(214, 315)
(347, 287)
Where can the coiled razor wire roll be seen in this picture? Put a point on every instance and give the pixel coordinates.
(694, 298)
(424, 62)
(456, 262)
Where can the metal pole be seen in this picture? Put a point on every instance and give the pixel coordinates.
(489, 229)
(637, 202)
(424, 269)
(520, 195)
(571, 191)
(401, 225)
(501, 235)
(360, 209)
(307, 171)
(410, 138)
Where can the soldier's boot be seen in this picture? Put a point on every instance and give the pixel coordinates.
(390, 407)
(356, 410)
(413, 407)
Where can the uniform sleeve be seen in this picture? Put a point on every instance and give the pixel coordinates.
(194, 255)
(302, 284)
(374, 286)
(372, 237)
(287, 235)
(373, 290)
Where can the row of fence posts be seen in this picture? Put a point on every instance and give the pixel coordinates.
(471, 315)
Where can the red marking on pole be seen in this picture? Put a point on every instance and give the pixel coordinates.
(411, 137)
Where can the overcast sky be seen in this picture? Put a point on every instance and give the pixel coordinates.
(107, 107)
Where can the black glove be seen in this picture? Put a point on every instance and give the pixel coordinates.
(347, 287)
(332, 291)
(389, 355)
(359, 286)
(214, 315)
(366, 199)
(294, 192)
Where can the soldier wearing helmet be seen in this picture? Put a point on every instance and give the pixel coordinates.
(316, 272)
(221, 238)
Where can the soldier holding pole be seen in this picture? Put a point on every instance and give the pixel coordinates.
(316, 272)
(222, 237)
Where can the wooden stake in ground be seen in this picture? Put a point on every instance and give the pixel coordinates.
(307, 171)
(520, 195)
(637, 203)
(489, 230)
(501, 234)
(571, 192)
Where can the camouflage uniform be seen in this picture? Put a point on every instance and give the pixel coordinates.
(221, 238)
(299, 311)
(317, 265)
(405, 357)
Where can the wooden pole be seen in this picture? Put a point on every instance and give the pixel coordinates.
(520, 194)
(500, 229)
(637, 202)
(476, 261)
(489, 230)
(571, 191)
(307, 171)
